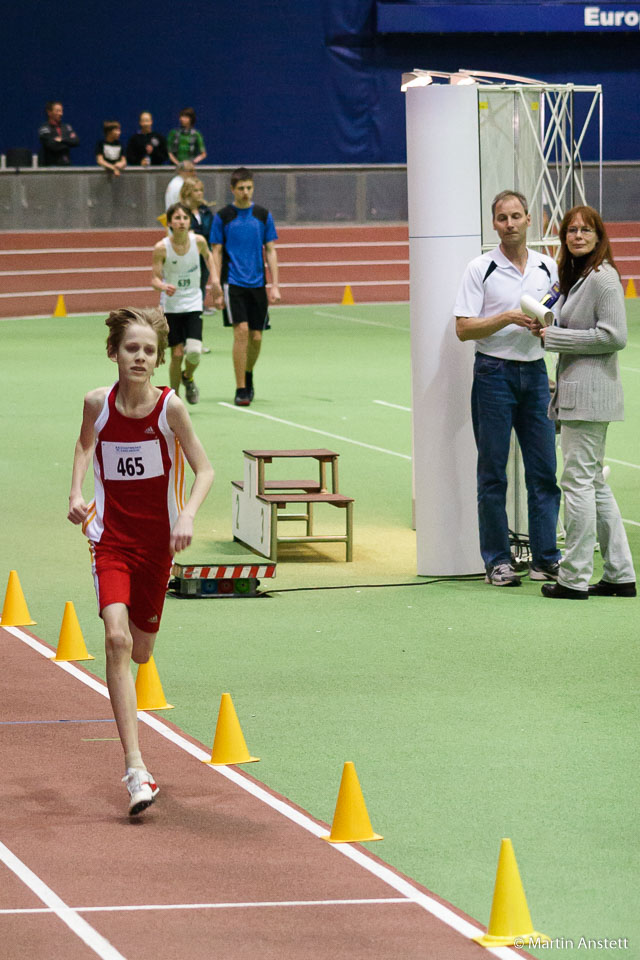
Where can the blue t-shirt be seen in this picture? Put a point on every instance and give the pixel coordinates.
(243, 236)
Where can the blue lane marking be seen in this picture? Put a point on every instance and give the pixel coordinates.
(13, 723)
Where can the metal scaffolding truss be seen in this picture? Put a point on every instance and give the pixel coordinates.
(546, 143)
(559, 136)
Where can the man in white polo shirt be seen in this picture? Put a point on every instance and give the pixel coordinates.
(510, 390)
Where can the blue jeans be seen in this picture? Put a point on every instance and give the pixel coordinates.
(514, 394)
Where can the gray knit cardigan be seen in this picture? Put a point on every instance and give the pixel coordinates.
(592, 328)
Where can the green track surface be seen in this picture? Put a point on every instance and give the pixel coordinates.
(470, 713)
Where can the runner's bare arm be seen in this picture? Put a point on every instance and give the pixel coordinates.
(157, 280)
(179, 421)
(93, 403)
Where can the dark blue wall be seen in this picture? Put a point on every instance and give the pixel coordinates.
(277, 81)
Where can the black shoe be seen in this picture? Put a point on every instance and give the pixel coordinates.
(557, 592)
(242, 397)
(248, 379)
(606, 589)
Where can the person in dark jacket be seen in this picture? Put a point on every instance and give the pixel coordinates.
(56, 138)
(146, 148)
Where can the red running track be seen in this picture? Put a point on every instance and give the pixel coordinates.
(218, 867)
(99, 270)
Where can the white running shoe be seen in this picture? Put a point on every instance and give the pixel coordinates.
(142, 790)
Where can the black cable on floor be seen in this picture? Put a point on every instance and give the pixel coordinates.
(469, 578)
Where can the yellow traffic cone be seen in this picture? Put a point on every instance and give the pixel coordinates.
(347, 297)
(71, 645)
(149, 692)
(351, 822)
(60, 310)
(630, 292)
(510, 919)
(162, 219)
(14, 611)
(229, 745)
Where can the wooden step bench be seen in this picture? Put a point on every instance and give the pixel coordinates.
(258, 503)
(308, 486)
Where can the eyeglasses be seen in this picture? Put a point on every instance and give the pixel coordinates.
(585, 231)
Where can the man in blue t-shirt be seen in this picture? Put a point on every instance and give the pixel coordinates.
(243, 235)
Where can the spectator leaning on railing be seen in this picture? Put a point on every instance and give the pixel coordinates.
(109, 152)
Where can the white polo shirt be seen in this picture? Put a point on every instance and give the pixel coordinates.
(486, 290)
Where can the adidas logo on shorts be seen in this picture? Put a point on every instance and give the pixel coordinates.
(152, 619)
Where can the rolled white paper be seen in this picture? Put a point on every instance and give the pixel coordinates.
(536, 310)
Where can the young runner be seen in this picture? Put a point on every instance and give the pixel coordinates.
(176, 273)
(138, 435)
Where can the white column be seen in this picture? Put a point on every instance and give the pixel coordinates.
(443, 167)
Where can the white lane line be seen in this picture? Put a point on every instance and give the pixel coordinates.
(341, 263)
(61, 271)
(380, 870)
(323, 433)
(69, 293)
(65, 250)
(281, 246)
(68, 915)
(302, 245)
(396, 406)
(145, 268)
(633, 523)
(631, 369)
(338, 284)
(369, 323)
(623, 463)
(249, 904)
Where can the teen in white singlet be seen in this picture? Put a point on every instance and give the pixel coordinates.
(184, 274)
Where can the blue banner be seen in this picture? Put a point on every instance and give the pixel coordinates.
(471, 17)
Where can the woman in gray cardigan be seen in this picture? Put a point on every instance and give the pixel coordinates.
(588, 396)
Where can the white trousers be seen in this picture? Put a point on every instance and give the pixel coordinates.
(590, 509)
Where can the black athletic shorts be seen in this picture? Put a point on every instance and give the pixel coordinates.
(183, 327)
(246, 305)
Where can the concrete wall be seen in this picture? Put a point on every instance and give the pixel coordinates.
(87, 198)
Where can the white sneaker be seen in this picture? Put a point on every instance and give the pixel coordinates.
(142, 789)
(502, 575)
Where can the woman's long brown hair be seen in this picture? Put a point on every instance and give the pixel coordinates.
(569, 270)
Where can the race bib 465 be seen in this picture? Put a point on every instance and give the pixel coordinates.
(132, 461)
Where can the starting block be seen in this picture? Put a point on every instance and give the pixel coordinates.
(218, 580)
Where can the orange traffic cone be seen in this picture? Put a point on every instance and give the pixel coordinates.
(60, 308)
(510, 919)
(149, 692)
(351, 822)
(14, 611)
(229, 745)
(347, 297)
(71, 645)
